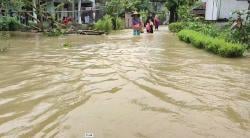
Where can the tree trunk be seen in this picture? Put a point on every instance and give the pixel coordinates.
(173, 15)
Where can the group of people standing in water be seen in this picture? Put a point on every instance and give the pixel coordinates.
(138, 25)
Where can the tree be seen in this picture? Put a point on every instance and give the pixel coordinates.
(11, 5)
(120, 6)
(173, 6)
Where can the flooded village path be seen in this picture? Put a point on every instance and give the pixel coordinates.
(120, 86)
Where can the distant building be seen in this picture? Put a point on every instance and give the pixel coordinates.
(81, 11)
(223, 9)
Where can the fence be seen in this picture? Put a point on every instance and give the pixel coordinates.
(88, 16)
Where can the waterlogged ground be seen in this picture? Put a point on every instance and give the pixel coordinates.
(120, 86)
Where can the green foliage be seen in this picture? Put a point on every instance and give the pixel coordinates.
(117, 7)
(176, 27)
(46, 25)
(197, 40)
(208, 29)
(174, 8)
(214, 45)
(13, 4)
(105, 24)
(114, 7)
(240, 34)
(119, 23)
(55, 32)
(184, 13)
(67, 44)
(8, 23)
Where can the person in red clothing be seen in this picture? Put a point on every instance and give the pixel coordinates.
(156, 22)
(136, 24)
(66, 20)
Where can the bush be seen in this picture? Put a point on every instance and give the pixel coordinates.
(197, 41)
(120, 24)
(231, 50)
(214, 45)
(176, 27)
(185, 14)
(208, 29)
(104, 24)
(8, 23)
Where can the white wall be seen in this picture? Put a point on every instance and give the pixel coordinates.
(212, 9)
(228, 6)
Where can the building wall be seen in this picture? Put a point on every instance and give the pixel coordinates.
(228, 6)
(212, 9)
(221, 9)
(128, 20)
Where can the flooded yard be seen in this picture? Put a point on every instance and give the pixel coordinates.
(120, 86)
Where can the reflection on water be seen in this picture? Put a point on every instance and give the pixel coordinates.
(121, 86)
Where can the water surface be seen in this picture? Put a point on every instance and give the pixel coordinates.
(153, 86)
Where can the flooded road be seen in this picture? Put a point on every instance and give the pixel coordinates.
(120, 86)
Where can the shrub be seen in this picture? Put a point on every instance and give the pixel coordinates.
(8, 23)
(104, 24)
(184, 13)
(207, 29)
(120, 24)
(46, 25)
(176, 27)
(231, 50)
(196, 40)
(214, 45)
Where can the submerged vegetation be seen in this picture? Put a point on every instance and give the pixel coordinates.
(67, 44)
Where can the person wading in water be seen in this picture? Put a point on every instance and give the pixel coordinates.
(136, 24)
(156, 22)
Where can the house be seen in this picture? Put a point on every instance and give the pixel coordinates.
(223, 9)
(81, 11)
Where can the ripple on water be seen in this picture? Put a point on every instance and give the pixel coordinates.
(116, 85)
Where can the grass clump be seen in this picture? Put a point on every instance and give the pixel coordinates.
(214, 45)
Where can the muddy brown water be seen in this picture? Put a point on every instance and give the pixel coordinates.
(120, 86)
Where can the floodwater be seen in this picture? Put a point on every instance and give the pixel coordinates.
(120, 86)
